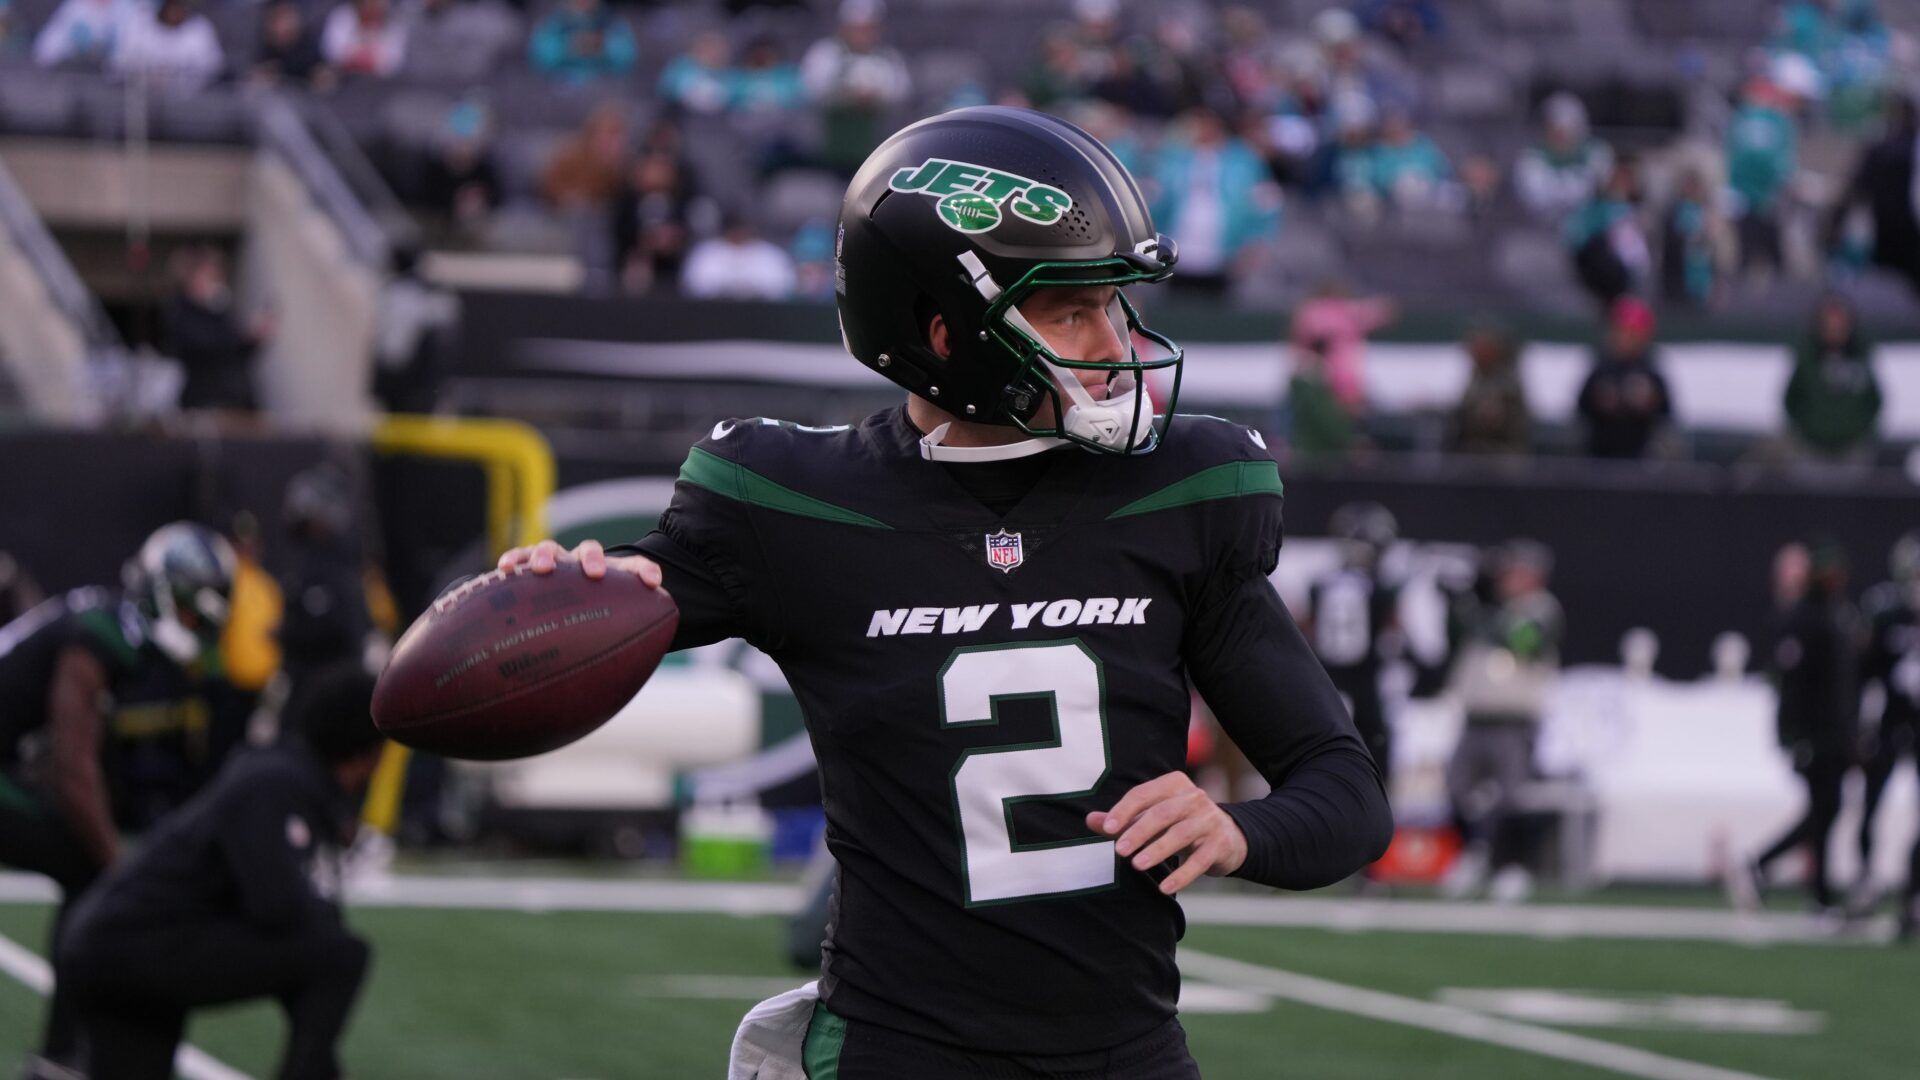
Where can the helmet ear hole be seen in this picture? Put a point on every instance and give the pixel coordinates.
(924, 312)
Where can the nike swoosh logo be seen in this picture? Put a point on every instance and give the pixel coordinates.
(723, 429)
(1257, 440)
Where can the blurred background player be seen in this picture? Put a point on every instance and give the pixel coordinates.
(1352, 619)
(1818, 713)
(1508, 657)
(97, 695)
(328, 619)
(235, 896)
(1890, 665)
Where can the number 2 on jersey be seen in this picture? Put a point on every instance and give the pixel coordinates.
(988, 782)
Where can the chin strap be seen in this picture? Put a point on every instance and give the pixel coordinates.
(932, 450)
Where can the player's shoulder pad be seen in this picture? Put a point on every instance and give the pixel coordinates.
(800, 469)
(1204, 459)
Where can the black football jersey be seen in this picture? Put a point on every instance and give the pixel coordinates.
(1892, 656)
(1351, 611)
(163, 731)
(975, 683)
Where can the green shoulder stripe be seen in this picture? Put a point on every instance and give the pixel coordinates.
(1233, 479)
(722, 477)
(101, 624)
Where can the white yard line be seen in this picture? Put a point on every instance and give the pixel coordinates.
(31, 970)
(1449, 1020)
(1349, 914)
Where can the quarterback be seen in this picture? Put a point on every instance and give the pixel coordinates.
(991, 602)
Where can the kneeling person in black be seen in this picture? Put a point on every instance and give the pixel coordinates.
(231, 899)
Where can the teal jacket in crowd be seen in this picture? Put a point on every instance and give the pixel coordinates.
(551, 47)
(1762, 147)
(1241, 173)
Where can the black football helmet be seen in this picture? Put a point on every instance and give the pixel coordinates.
(181, 580)
(966, 214)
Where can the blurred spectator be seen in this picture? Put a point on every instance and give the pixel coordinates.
(1762, 151)
(582, 40)
(700, 80)
(1213, 192)
(812, 252)
(765, 81)
(1319, 427)
(1625, 398)
(174, 49)
(1349, 161)
(202, 330)
(1858, 66)
(1564, 171)
(363, 38)
(1335, 326)
(738, 265)
(1409, 170)
(1350, 68)
(1610, 253)
(588, 169)
(1884, 183)
(1818, 709)
(1096, 31)
(1058, 75)
(1506, 665)
(655, 219)
(461, 181)
(84, 33)
(1492, 416)
(458, 41)
(1833, 398)
(855, 80)
(289, 52)
(1181, 66)
(1692, 236)
(1249, 62)
(18, 590)
(1406, 23)
(11, 41)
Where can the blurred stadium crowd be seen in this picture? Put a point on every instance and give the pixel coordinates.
(1696, 153)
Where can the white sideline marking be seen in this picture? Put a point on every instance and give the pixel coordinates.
(31, 970)
(1349, 914)
(1450, 1020)
(1660, 1012)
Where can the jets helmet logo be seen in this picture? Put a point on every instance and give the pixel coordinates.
(1003, 551)
(971, 196)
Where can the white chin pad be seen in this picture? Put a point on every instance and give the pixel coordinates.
(1118, 422)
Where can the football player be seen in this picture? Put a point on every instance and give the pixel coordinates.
(1352, 614)
(989, 601)
(98, 694)
(1892, 660)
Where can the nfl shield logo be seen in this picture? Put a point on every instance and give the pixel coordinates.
(1003, 551)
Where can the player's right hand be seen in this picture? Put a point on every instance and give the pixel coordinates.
(594, 561)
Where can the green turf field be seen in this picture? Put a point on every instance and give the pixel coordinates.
(497, 994)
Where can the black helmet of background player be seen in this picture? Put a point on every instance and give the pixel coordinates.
(1365, 530)
(181, 579)
(964, 215)
(318, 504)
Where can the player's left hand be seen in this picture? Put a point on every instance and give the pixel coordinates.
(1169, 816)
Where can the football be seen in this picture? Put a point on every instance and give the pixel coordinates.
(513, 663)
